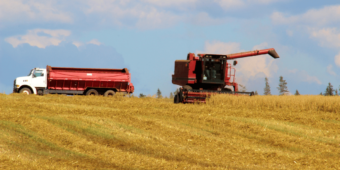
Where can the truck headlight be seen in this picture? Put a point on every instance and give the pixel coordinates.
(17, 86)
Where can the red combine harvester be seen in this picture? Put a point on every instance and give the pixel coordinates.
(206, 74)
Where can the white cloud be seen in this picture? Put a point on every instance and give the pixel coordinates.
(316, 17)
(142, 14)
(264, 1)
(328, 37)
(77, 43)
(290, 33)
(40, 38)
(304, 76)
(218, 47)
(247, 68)
(230, 4)
(261, 46)
(311, 79)
(293, 71)
(30, 10)
(95, 42)
(171, 3)
(320, 24)
(135, 14)
(236, 4)
(330, 70)
(156, 19)
(203, 18)
(337, 60)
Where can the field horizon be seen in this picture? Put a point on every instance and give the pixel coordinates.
(228, 132)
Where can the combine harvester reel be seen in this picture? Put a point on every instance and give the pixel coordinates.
(208, 74)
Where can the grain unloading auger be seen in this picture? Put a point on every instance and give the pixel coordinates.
(206, 74)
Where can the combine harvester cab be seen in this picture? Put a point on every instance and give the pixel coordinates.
(207, 74)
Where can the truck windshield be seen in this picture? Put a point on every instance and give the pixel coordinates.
(38, 73)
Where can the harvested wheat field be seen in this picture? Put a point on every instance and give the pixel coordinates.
(229, 132)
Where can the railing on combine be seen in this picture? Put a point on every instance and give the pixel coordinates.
(232, 76)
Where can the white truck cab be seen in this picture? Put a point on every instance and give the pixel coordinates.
(31, 84)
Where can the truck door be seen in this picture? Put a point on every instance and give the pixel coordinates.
(38, 79)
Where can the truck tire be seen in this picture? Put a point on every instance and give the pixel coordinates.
(92, 92)
(40, 92)
(109, 93)
(25, 91)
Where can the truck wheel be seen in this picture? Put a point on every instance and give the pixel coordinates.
(109, 93)
(92, 92)
(40, 92)
(25, 91)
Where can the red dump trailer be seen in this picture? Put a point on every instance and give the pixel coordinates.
(80, 81)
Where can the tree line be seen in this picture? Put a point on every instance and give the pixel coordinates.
(158, 95)
(283, 90)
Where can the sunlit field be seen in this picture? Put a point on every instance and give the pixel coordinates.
(229, 132)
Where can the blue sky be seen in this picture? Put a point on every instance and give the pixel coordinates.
(147, 36)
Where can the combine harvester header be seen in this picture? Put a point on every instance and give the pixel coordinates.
(206, 74)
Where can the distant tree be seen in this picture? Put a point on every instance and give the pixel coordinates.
(336, 92)
(242, 88)
(297, 93)
(329, 90)
(141, 95)
(283, 90)
(159, 94)
(171, 95)
(256, 93)
(267, 88)
(321, 94)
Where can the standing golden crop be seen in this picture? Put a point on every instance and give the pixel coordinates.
(229, 132)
